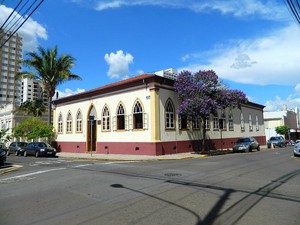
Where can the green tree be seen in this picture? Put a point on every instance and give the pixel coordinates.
(46, 65)
(3, 133)
(35, 107)
(4, 136)
(33, 128)
(283, 130)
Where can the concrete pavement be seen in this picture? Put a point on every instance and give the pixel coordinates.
(121, 157)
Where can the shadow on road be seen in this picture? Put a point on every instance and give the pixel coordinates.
(235, 212)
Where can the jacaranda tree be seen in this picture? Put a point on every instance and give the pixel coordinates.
(202, 94)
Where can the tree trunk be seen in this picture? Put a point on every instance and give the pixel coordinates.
(50, 112)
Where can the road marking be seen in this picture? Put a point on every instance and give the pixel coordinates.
(83, 165)
(30, 174)
(10, 169)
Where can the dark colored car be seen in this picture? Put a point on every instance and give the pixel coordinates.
(2, 157)
(246, 144)
(276, 141)
(39, 149)
(2, 147)
(17, 148)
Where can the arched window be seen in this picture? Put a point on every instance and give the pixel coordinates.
(242, 122)
(79, 121)
(223, 117)
(196, 124)
(250, 123)
(256, 123)
(216, 120)
(121, 118)
(60, 124)
(183, 122)
(230, 120)
(207, 123)
(138, 116)
(170, 115)
(105, 119)
(69, 123)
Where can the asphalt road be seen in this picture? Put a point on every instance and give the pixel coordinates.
(244, 188)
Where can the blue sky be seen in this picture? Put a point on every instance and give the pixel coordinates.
(253, 45)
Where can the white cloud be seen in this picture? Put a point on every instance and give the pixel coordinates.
(297, 89)
(31, 30)
(273, 59)
(279, 104)
(118, 64)
(68, 92)
(269, 9)
(140, 72)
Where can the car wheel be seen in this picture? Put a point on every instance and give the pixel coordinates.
(25, 154)
(37, 154)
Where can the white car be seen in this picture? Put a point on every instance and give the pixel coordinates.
(297, 149)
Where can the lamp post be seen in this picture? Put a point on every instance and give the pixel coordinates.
(92, 119)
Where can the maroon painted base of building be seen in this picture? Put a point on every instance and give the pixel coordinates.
(150, 148)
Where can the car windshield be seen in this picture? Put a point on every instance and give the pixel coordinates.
(22, 144)
(242, 140)
(274, 138)
(42, 145)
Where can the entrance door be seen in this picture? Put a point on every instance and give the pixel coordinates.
(92, 131)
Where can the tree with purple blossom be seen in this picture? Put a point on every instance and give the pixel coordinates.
(202, 94)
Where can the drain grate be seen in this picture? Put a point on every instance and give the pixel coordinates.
(173, 174)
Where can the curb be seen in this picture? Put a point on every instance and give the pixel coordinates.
(132, 159)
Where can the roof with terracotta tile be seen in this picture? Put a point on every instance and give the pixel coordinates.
(119, 85)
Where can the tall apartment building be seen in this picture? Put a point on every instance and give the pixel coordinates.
(10, 65)
(33, 90)
(168, 73)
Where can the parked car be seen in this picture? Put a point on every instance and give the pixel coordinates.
(2, 147)
(39, 149)
(2, 157)
(246, 144)
(16, 148)
(276, 141)
(297, 149)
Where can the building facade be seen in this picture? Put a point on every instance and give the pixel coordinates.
(287, 117)
(33, 90)
(139, 116)
(10, 65)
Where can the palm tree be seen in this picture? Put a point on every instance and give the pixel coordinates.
(51, 69)
(36, 107)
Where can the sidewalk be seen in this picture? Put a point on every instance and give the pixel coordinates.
(121, 157)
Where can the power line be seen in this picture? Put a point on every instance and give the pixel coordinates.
(2, 27)
(22, 18)
(294, 8)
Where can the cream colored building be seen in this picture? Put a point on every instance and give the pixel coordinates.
(139, 116)
(283, 117)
